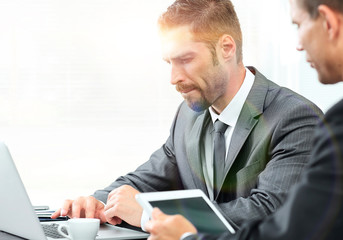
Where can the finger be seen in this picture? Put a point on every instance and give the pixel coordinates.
(56, 214)
(114, 220)
(76, 209)
(101, 216)
(111, 201)
(119, 220)
(65, 210)
(152, 237)
(90, 208)
(149, 226)
(113, 192)
(99, 211)
(62, 211)
(110, 213)
(108, 205)
(112, 216)
(157, 214)
(153, 227)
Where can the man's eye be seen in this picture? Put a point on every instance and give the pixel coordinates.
(185, 60)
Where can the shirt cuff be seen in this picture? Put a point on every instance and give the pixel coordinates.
(186, 235)
(144, 219)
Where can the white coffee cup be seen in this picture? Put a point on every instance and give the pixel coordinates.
(80, 228)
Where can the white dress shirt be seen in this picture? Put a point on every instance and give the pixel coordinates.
(228, 116)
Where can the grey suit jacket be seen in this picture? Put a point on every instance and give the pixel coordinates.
(314, 207)
(269, 148)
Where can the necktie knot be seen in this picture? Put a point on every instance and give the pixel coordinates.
(220, 127)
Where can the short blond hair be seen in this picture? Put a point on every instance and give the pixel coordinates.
(208, 21)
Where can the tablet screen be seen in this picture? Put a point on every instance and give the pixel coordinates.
(196, 210)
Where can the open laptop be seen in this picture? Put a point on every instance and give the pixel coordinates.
(18, 216)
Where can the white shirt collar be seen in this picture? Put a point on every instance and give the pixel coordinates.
(231, 112)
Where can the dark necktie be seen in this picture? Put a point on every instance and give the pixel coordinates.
(219, 152)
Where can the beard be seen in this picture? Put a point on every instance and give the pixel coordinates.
(199, 105)
(216, 84)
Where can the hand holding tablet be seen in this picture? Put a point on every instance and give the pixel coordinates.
(192, 204)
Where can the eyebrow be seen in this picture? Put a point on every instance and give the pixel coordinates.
(182, 55)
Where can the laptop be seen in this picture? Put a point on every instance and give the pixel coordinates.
(19, 218)
(192, 204)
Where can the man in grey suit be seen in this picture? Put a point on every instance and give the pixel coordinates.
(314, 207)
(268, 128)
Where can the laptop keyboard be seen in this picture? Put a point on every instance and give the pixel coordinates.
(50, 230)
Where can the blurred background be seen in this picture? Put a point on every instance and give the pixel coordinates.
(85, 96)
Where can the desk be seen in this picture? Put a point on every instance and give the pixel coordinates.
(7, 236)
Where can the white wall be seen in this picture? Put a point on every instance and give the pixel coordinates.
(85, 96)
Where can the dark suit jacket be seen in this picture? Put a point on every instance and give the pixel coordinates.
(269, 148)
(314, 208)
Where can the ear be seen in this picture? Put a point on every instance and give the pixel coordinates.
(227, 47)
(331, 21)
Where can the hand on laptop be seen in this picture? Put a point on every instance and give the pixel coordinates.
(122, 205)
(82, 207)
(168, 227)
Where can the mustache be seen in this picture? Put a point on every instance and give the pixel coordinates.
(181, 87)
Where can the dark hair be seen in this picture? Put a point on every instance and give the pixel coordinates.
(312, 6)
(208, 21)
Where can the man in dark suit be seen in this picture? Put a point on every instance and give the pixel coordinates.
(268, 128)
(314, 207)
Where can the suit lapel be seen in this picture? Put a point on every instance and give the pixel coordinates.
(248, 118)
(245, 124)
(193, 144)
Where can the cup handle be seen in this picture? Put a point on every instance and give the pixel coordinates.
(59, 229)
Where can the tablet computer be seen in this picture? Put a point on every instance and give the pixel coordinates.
(192, 204)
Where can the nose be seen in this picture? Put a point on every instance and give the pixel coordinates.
(300, 47)
(176, 75)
